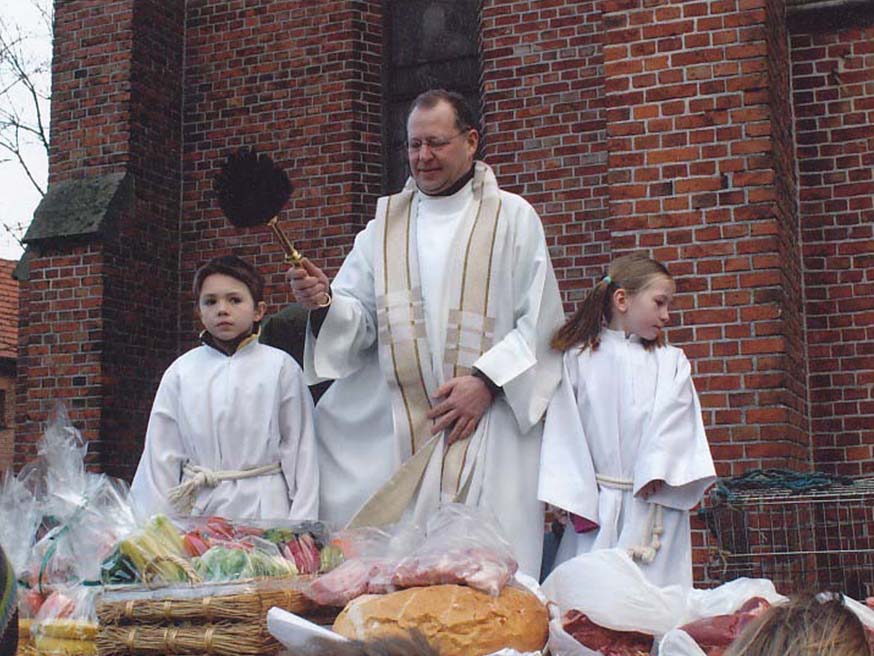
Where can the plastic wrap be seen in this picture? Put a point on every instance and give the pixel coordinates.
(20, 516)
(214, 549)
(463, 545)
(66, 623)
(370, 556)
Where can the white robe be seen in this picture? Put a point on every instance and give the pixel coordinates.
(358, 447)
(633, 415)
(234, 412)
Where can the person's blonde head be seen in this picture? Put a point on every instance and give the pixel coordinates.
(807, 625)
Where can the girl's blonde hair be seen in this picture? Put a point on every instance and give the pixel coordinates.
(633, 273)
(807, 625)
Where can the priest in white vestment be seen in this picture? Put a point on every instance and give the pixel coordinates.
(437, 329)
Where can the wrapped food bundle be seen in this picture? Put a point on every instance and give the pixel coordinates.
(206, 588)
(457, 620)
(65, 623)
(215, 549)
(461, 545)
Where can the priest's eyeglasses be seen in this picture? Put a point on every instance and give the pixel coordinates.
(434, 144)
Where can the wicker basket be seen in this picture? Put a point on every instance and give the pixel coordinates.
(222, 619)
(241, 602)
(223, 639)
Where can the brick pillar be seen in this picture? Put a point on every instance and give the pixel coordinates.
(833, 82)
(702, 174)
(98, 311)
(544, 120)
(299, 81)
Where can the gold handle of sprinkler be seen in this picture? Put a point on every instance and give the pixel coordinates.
(292, 255)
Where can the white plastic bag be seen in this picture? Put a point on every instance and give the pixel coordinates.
(611, 590)
(728, 597)
(677, 642)
(609, 587)
(722, 600)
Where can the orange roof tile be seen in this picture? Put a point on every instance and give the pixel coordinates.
(8, 310)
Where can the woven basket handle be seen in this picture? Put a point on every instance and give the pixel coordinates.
(151, 570)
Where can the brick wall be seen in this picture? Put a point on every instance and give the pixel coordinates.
(60, 320)
(140, 258)
(691, 142)
(627, 123)
(543, 111)
(833, 80)
(299, 81)
(94, 331)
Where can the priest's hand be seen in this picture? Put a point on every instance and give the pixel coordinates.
(310, 285)
(464, 401)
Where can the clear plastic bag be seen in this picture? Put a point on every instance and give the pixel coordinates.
(463, 545)
(370, 556)
(20, 516)
(67, 621)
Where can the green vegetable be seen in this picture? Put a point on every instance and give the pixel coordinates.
(330, 557)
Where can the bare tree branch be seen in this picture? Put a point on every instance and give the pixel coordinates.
(24, 98)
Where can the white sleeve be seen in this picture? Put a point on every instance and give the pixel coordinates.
(297, 446)
(567, 472)
(348, 333)
(522, 363)
(674, 446)
(164, 453)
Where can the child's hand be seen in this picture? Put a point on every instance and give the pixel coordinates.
(650, 488)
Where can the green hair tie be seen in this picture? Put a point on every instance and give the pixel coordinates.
(607, 279)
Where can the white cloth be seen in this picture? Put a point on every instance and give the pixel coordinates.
(358, 447)
(629, 414)
(236, 412)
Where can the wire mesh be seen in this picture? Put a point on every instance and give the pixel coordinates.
(815, 540)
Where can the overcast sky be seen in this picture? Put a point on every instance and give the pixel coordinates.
(19, 197)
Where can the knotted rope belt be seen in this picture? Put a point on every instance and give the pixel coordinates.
(654, 525)
(182, 496)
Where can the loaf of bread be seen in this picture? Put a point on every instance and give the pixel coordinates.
(456, 620)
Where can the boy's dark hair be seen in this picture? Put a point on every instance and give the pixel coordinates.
(235, 267)
(465, 119)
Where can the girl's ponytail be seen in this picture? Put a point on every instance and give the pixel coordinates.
(584, 326)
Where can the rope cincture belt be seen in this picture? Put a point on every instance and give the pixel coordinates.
(182, 496)
(654, 526)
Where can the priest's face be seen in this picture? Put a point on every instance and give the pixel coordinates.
(439, 153)
(227, 309)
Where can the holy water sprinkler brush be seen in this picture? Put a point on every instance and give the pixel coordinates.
(251, 191)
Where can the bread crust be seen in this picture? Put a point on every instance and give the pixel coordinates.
(456, 620)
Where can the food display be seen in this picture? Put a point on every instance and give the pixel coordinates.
(608, 642)
(457, 620)
(714, 634)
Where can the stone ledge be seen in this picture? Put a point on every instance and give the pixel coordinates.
(85, 206)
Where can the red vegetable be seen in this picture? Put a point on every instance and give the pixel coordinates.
(195, 544)
(221, 528)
